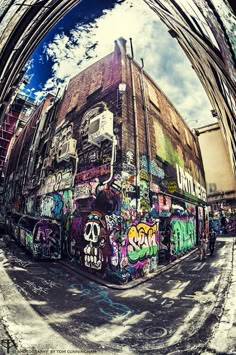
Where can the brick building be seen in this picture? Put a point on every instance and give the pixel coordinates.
(115, 164)
(205, 30)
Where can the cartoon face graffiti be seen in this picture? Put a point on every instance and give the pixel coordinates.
(144, 195)
(130, 157)
(92, 228)
(95, 235)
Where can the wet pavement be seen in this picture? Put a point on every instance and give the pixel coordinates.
(52, 309)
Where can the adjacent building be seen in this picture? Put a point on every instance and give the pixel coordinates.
(15, 118)
(221, 183)
(116, 166)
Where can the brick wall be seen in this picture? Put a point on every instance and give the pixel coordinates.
(171, 140)
(90, 86)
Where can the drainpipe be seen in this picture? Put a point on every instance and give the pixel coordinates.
(146, 121)
(113, 159)
(136, 143)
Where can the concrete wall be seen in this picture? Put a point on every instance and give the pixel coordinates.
(218, 170)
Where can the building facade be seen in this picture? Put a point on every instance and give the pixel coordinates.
(221, 183)
(205, 29)
(15, 117)
(116, 166)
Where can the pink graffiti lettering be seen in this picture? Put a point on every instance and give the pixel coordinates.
(92, 173)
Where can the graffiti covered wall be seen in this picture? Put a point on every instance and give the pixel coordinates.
(95, 176)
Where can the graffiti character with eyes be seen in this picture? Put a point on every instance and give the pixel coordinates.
(95, 235)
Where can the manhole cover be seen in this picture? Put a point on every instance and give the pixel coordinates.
(155, 332)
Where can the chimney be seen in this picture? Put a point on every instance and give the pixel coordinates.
(120, 46)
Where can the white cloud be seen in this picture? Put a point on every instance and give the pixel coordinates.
(164, 59)
(29, 65)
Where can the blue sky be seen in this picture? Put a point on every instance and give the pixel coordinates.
(88, 33)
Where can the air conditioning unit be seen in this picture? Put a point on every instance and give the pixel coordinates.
(67, 150)
(101, 128)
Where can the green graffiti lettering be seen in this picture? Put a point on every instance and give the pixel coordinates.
(184, 234)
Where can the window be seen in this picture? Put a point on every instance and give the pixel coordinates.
(196, 149)
(152, 93)
(187, 138)
(174, 121)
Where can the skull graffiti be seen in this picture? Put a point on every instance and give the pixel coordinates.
(95, 235)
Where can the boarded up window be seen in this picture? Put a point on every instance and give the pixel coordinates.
(196, 149)
(187, 138)
(174, 120)
(152, 94)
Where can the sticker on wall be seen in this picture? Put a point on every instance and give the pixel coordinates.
(164, 206)
(172, 186)
(154, 187)
(128, 165)
(82, 191)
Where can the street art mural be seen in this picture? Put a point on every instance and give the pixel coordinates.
(46, 242)
(52, 205)
(165, 147)
(223, 225)
(231, 225)
(60, 180)
(142, 244)
(41, 237)
(95, 236)
(183, 234)
(152, 167)
(92, 173)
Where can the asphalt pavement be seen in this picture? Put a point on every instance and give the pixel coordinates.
(50, 308)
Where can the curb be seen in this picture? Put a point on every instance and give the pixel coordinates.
(131, 284)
